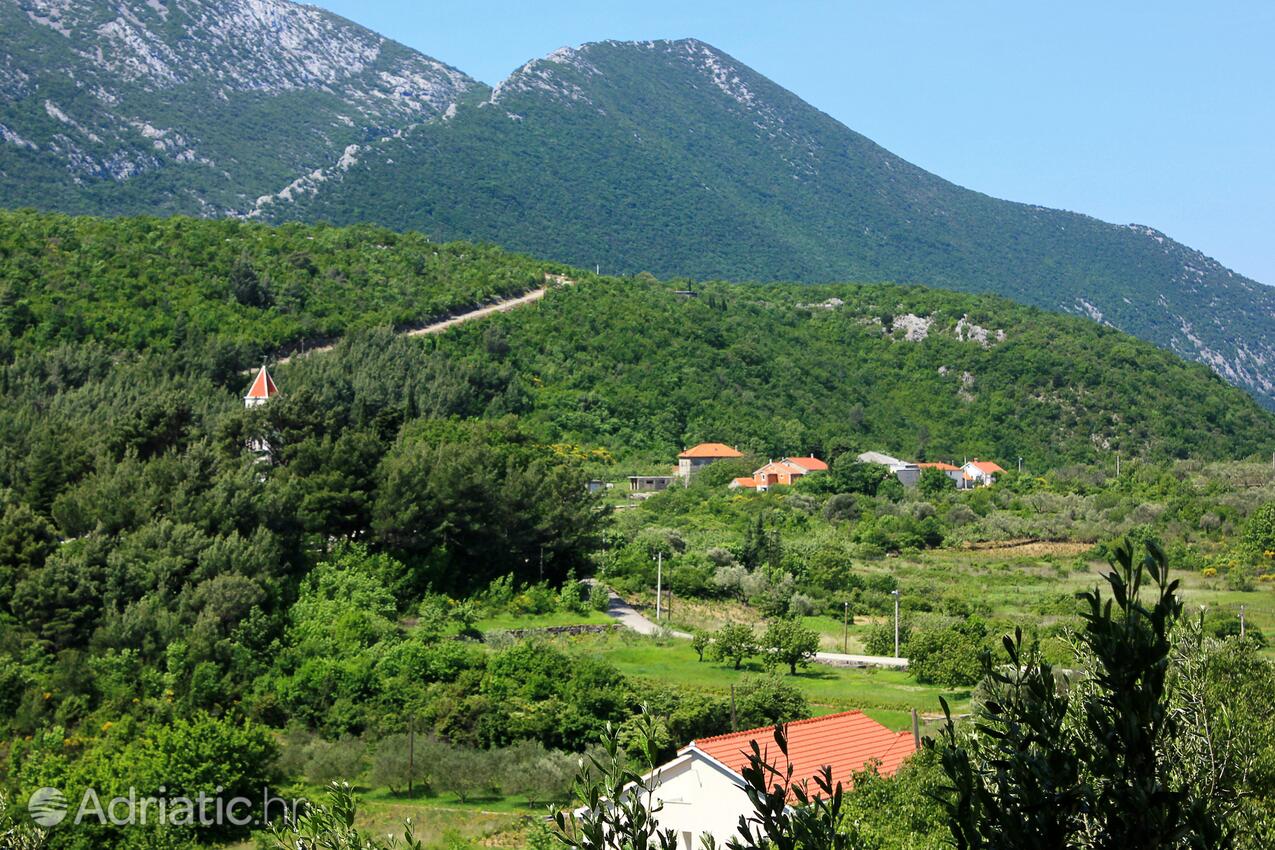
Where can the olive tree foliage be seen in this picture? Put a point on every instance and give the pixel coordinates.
(16, 830)
(619, 809)
(1085, 764)
(329, 825)
(1224, 695)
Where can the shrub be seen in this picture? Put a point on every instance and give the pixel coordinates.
(734, 642)
(789, 642)
(767, 700)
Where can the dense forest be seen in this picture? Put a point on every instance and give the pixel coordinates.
(170, 597)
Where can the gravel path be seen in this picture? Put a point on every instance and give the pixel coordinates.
(634, 620)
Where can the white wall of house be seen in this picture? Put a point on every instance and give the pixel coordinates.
(699, 794)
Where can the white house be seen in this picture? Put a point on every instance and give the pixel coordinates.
(701, 791)
(908, 473)
(982, 472)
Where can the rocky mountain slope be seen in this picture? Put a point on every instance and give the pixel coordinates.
(675, 158)
(194, 106)
(665, 156)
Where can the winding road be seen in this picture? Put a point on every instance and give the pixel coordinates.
(634, 620)
(499, 306)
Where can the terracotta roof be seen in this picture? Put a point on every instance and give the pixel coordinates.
(711, 450)
(845, 742)
(744, 482)
(986, 467)
(810, 464)
(262, 386)
(946, 467)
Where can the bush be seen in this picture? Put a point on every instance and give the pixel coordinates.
(331, 761)
(951, 656)
(599, 597)
(734, 642)
(843, 507)
(396, 762)
(878, 638)
(767, 700)
(789, 642)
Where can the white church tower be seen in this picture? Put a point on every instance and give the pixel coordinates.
(261, 391)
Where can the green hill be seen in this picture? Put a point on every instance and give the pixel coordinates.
(782, 369)
(624, 364)
(674, 158)
(665, 156)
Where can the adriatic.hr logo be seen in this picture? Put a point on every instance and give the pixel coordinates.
(47, 807)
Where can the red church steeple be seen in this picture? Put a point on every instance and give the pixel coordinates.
(262, 389)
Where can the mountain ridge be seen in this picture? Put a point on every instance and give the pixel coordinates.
(666, 156)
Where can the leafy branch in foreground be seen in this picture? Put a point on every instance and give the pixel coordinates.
(1045, 768)
(619, 808)
(330, 826)
(15, 832)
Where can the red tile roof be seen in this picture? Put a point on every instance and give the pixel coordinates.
(946, 467)
(986, 467)
(846, 742)
(263, 386)
(744, 482)
(711, 450)
(811, 464)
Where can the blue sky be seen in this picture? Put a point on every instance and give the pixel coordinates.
(1161, 114)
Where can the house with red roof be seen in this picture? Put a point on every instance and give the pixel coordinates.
(701, 790)
(783, 471)
(982, 472)
(697, 457)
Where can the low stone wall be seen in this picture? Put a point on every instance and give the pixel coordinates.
(581, 629)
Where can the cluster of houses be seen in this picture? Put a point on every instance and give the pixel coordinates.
(973, 473)
(702, 789)
(786, 470)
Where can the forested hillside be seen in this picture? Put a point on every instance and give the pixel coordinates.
(675, 158)
(165, 589)
(634, 366)
(228, 288)
(665, 156)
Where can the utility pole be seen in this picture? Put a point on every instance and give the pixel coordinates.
(732, 708)
(916, 731)
(411, 753)
(1117, 464)
(895, 594)
(845, 634)
(1241, 622)
(1020, 464)
(659, 583)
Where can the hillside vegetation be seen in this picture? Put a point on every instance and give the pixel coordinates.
(632, 366)
(665, 156)
(140, 283)
(178, 610)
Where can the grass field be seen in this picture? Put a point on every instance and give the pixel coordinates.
(507, 622)
(439, 821)
(887, 695)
